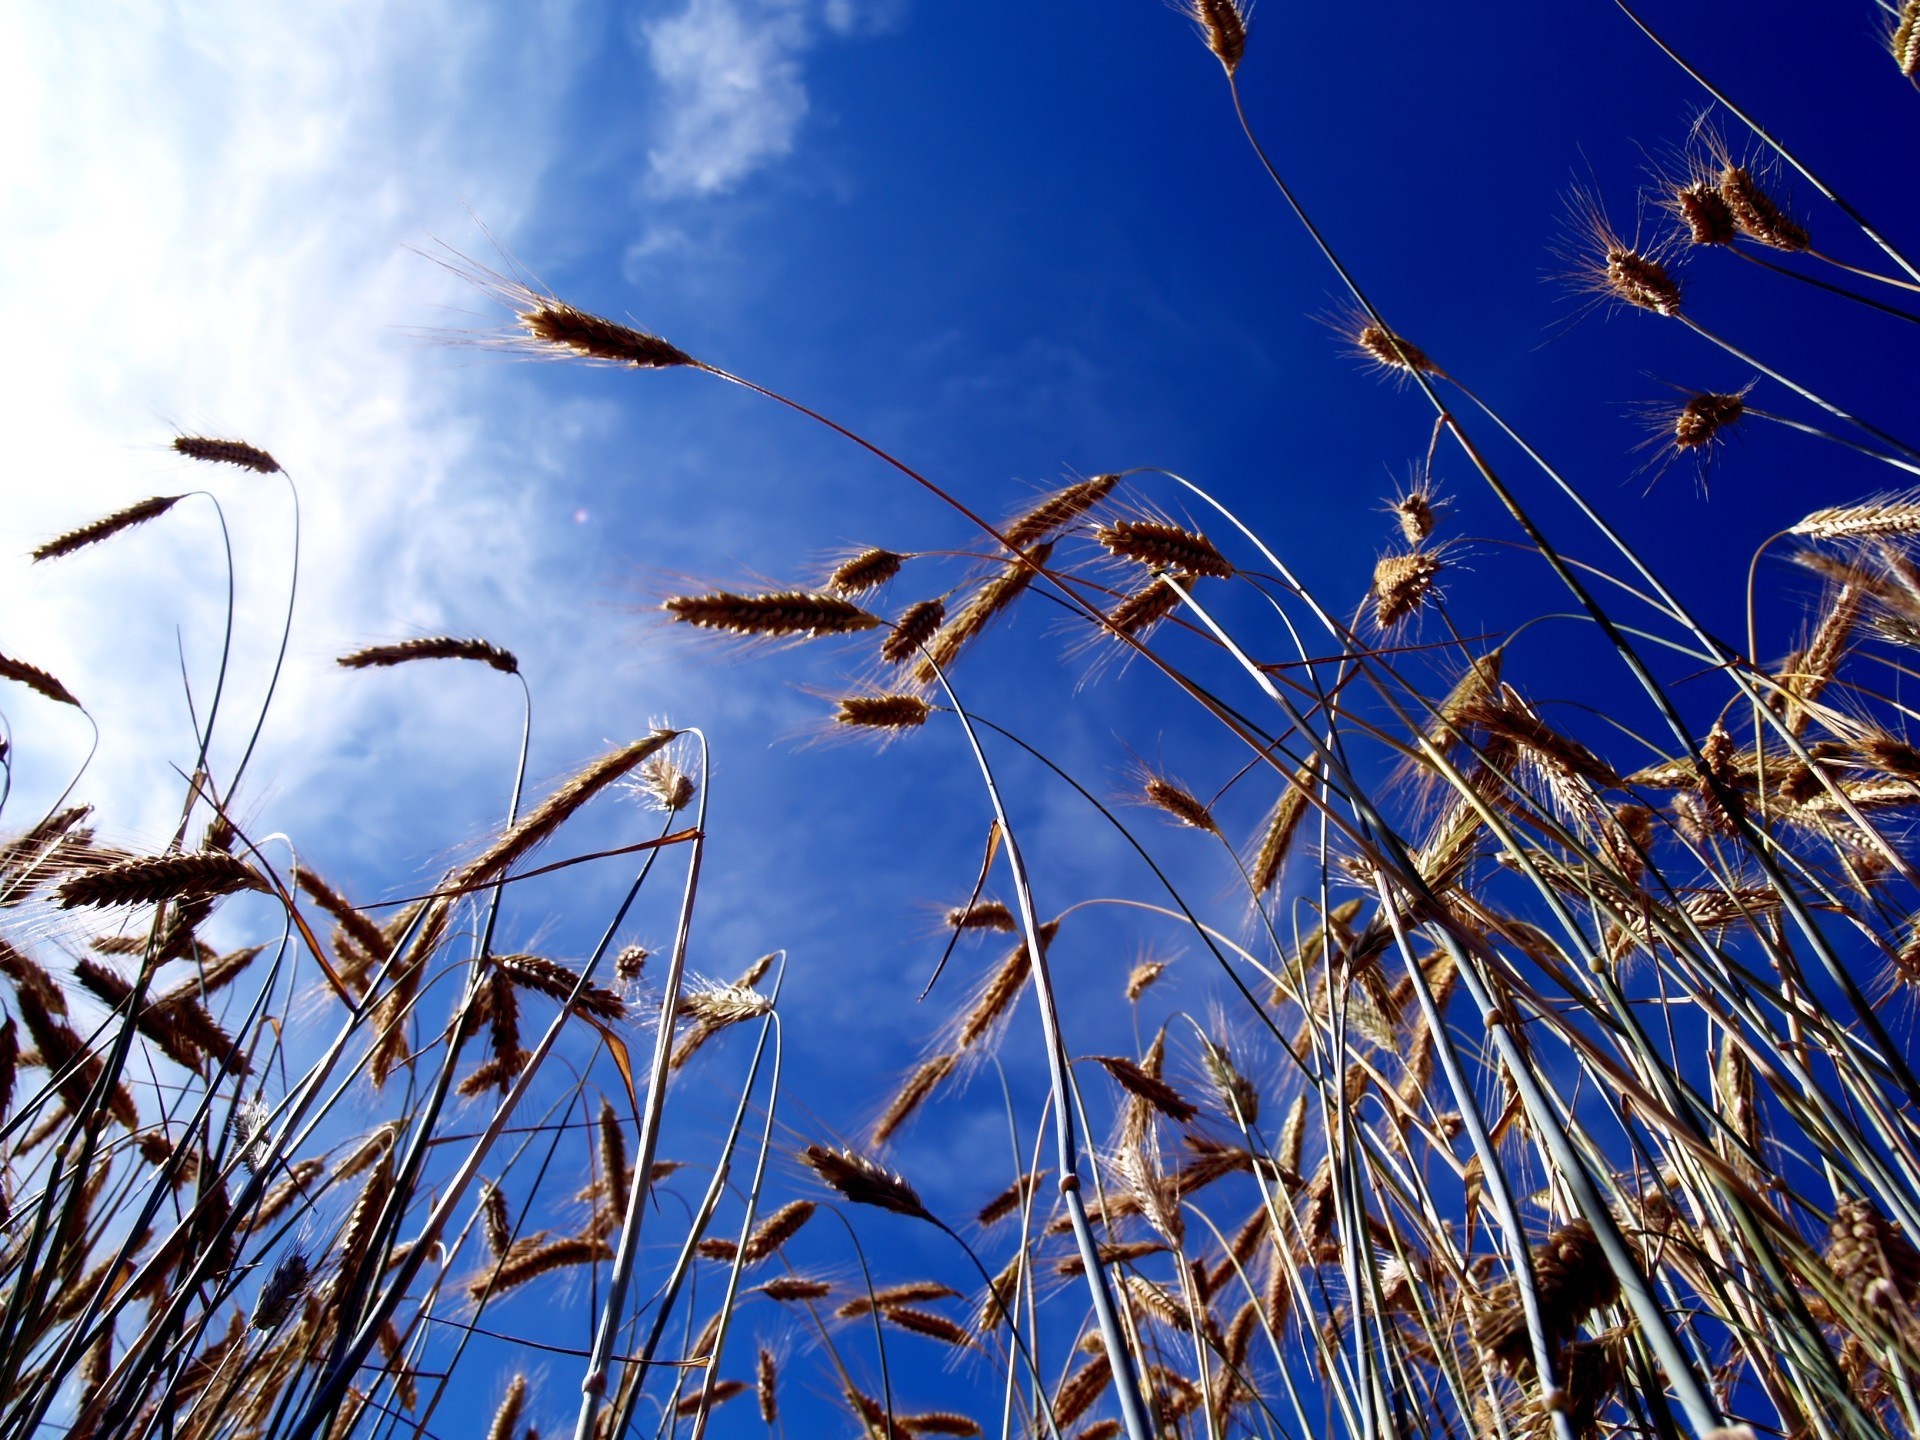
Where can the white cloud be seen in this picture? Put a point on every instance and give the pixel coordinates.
(733, 95)
(208, 212)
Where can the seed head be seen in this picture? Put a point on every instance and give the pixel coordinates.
(558, 325)
(226, 452)
(1702, 418)
(1613, 268)
(868, 570)
(286, 1284)
(882, 712)
(1757, 214)
(1163, 548)
(1056, 511)
(1223, 24)
(664, 785)
(1905, 39)
(982, 915)
(1179, 802)
(787, 612)
(1700, 206)
(914, 628)
(1138, 613)
(1414, 510)
(1392, 352)
(864, 1181)
(106, 528)
(36, 679)
(1401, 585)
(433, 647)
(1641, 280)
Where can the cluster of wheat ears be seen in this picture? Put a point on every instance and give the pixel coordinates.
(1583, 1113)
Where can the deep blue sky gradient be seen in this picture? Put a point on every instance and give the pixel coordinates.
(1016, 244)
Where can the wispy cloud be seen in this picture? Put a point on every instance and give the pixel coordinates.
(733, 93)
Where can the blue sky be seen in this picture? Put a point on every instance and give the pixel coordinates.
(1011, 243)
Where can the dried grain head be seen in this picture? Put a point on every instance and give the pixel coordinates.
(917, 625)
(664, 784)
(882, 712)
(1699, 206)
(553, 326)
(549, 977)
(866, 571)
(1884, 516)
(982, 915)
(1142, 976)
(226, 452)
(1223, 25)
(1416, 510)
(1903, 39)
(864, 1181)
(107, 527)
(1135, 615)
(1053, 513)
(1373, 342)
(781, 614)
(433, 647)
(1757, 214)
(912, 1094)
(777, 1229)
(1173, 799)
(1873, 1259)
(37, 680)
(1701, 419)
(1613, 268)
(707, 1002)
(1402, 584)
(631, 960)
(284, 1287)
(1164, 548)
